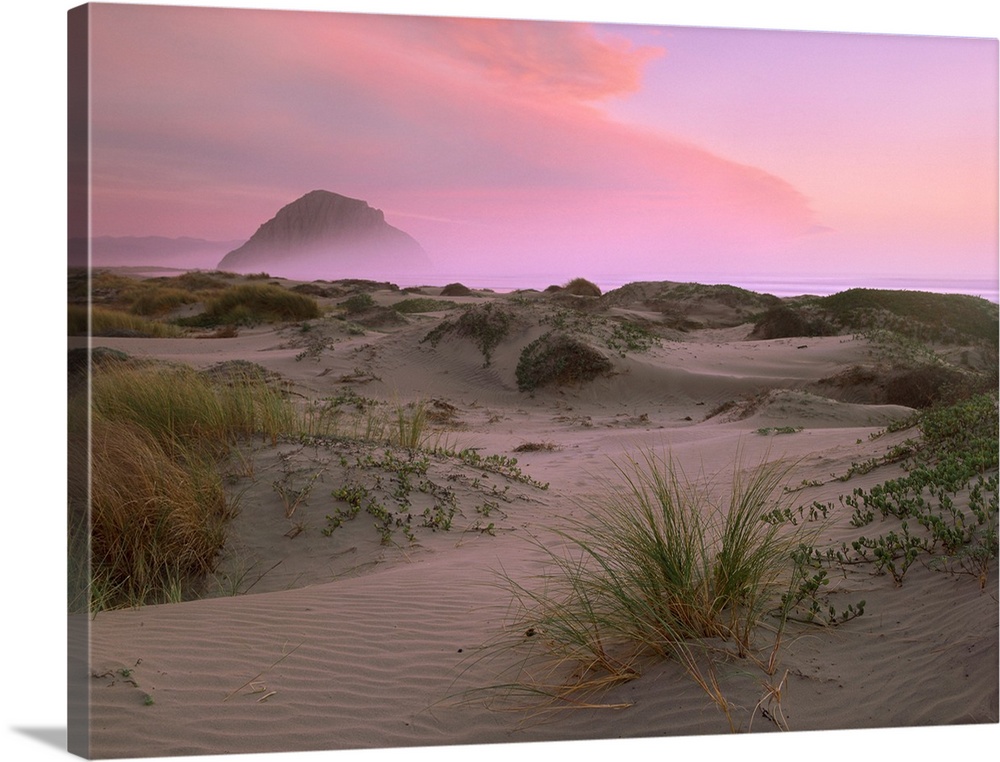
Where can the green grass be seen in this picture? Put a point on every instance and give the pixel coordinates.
(157, 518)
(161, 300)
(422, 304)
(182, 407)
(104, 321)
(157, 506)
(254, 303)
(657, 568)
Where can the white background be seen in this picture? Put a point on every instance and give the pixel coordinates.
(32, 499)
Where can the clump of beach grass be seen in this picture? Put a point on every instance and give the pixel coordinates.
(159, 300)
(157, 520)
(157, 506)
(102, 321)
(659, 569)
(254, 303)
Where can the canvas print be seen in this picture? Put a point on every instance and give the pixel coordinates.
(450, 381)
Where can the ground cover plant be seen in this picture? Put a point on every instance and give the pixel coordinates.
(945, 506)
(942, 513)
(405, 490)
(485, 325)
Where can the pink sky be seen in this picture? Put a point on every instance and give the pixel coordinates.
(569, 148)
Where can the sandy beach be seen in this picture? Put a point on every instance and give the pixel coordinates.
(313, 637)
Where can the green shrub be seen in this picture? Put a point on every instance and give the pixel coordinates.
(358, 303)
(486, 325)
(918, 314)
(456, 289)
(783, 321)
(555, 358)
(920, 387)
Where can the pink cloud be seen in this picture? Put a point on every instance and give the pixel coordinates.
(211, 117)
(553, 59)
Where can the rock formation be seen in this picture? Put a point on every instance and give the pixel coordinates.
(324, 235)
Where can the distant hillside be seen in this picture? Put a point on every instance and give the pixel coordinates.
(329, 236)
(152, 251)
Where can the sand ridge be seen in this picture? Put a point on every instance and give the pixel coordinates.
(343, 641)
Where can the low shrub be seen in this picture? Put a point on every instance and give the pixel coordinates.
(555, 359)
(422, 304)
(783, 321)
(924, 316)
(486, 325)
(456, 289)
(358, 303)
(582, 287)
(920, 387)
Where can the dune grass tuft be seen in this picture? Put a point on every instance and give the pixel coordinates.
(157, 520)
(659, 569)
(157, 506)
(160, 300)
(254, 303)
(104, 322)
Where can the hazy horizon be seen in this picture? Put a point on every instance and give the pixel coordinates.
(555, 147)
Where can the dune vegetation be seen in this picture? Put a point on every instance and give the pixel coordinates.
(158, 510)
(658, 568)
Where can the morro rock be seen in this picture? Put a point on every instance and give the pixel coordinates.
(329, 236)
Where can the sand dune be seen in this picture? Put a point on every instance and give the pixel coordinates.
(342, 641)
